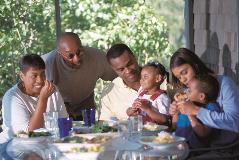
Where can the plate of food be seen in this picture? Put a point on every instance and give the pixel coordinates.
(103, 128)
(91, 138)
(164, 139)
(72, 140)
(37, 136)
(99, 138)
(98, 127)
(153, 127)
(78, 147)
(79, 151)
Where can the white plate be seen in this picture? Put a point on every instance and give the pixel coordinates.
(155, 128)
(148, 140)
(32, 140)
(93, 135)
(68, 151)
(67, 147)
(41, 130)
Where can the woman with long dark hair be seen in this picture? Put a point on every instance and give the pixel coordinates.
(185, 65)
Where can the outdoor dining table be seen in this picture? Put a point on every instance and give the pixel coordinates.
(119, 148)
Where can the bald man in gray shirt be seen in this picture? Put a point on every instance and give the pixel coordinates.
(75, 69)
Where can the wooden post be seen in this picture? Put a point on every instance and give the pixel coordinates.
(189, 21)
(58, 17)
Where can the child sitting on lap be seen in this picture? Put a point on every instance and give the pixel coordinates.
(203, 91)
(152, 102)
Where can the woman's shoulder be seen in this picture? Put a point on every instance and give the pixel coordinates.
(224, 79)
(227, 84)
(13, 91)
(12, 96)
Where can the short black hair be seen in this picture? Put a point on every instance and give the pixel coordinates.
(117, 50)
(209, 85)
(161, 69)
(31, 60)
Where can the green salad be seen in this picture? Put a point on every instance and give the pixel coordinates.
(38, 134)
(99, 127)
(32, 134)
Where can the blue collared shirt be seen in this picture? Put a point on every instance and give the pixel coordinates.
(228, 101)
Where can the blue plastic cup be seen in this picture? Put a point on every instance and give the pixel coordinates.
(65, 125)
(89, 116)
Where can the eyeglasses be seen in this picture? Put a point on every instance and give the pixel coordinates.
(70, 55)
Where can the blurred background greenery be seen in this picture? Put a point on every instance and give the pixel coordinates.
(152, 28)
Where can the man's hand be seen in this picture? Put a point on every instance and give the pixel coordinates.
(47, 89)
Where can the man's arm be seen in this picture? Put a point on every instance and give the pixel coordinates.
(105, 111)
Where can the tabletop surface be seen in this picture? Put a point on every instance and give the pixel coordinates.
(126, 147)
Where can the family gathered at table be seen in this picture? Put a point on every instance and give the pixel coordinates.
(197, 104)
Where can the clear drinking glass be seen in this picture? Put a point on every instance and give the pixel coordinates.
(123, 130)
(135, 125)
(51, 123)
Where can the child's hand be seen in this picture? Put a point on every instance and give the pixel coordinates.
(47, 89)
(143, 104)
(173, 109)
(188, 108)
(180, 96)
(132, 111)
(135, 104)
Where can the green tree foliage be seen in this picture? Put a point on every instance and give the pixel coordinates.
(26, 27)
(101, 23)
(173, 13)
(29, 27)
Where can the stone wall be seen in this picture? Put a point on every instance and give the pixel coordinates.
(216, 35)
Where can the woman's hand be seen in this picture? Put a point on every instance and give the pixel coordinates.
(47, 89)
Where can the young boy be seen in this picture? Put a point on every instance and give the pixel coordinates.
(203, 91)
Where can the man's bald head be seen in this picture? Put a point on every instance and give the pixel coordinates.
(65, 36)
(70, 48)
